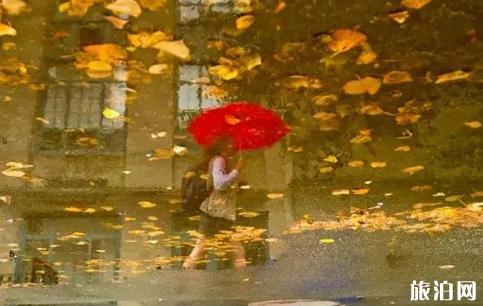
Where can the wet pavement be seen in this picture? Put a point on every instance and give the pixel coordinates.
(378, 184)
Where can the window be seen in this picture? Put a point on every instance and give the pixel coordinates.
(190, 93)
(72, 120)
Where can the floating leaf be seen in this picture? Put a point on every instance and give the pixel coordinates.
(125, 7)
(98, 66)
(15, 7)
(158, 68)
(378, 164)
(232, 120)
(325, 116)
(399, 17)
(177, 48)
(244, 22)
(346, 39)
(453, 198)
(366, 57)
(325, 170)
(280, 7)
(145, 39)
(452, 76)
(146, 204)
(331, 159)
(7, 30)
(371, 108)
(414, 4)
(363, 137)
(473, 124)
(356, 163)
(248, 214)
(275, 195)
(397, 77)
(299, 81)
(325, 100)
(13, 173)
(403, 149)
(326, 241)
(250, 61)
(224, 72)
(360, 191)
(366, 85)
(109, 113)
(446, 267)
(413, 169)
(117, 23)
(340, 192)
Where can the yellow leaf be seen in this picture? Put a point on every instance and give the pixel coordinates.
(15, 7)
(413, 169)
(7, 30)
(473, 124)
(224, 72)
(452, 76)
(98, 66)
(360, 191)
(397, 77)
(244, 22)
(153, 5)
(326, 241)
(325, 100)
(145, 39)
(340, 192)
(248, 214)
(73, 209)
(250, 61)
(356, 164)
(177, 48)
(371, 108)
(324, 116)
(275, 195)
(109, 113)
(414, 4)
(378, 164)
(280, 6)
(399, 17)
(331, 159)
(346, 39)
(453, 198)
(158, 68)
(403, 149)
(146, 204)
(125, 7)
(367, 84)
(232, 120)
(299, 81)
(117, 23)
(326, 170)
(366, 57)
(13, 173)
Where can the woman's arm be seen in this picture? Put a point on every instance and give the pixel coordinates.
(220, 178)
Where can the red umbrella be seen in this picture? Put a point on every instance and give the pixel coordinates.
(249, 125)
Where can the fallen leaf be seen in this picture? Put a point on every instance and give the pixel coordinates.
(346, 39)
(414, 4)
(125, 7)
(378, 164)
(477, 194)
(7, 30)
(326, 241)
(248, 214)
(325, 170)
(473, 124)
(13, 173)
(360, 191)
(299, 81)
(453, 198)
(117, 23)
(325, 116)
(250, 61)
(341, 192)
(403, 149)
(145, 39)
(224, 72)
(158, 68)
(15, 7)
(98, 66)
(446, 267)
(244, 22)
(477, 206)
(177, 48)
(275, 195)
(452, 76)
(366, 85)
(325, 100)
(421, 188)
(423, 205)
(109, 113)
(280, 7)
(331, 159)
(146, 204)
(232, 120)
(366, 57)
(399, 17)
(413, 169)
(371, 108)
(397, 77)
(356, 163)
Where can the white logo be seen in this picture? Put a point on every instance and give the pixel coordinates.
(443, 291)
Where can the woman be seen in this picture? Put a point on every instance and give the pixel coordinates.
(219, 209)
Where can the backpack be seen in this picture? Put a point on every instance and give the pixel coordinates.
(194, 188)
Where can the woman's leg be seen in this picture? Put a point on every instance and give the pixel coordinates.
(196, 254)
(239, 254)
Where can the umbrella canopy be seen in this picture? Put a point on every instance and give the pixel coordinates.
(249, 125)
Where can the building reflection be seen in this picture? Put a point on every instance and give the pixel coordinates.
(88, 161)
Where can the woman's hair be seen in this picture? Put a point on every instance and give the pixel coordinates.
(217, 147)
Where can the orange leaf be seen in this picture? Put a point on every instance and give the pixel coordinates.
(397, 77)
(367, 84)
(346, 39)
